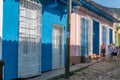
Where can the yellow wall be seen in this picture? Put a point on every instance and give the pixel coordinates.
(119, 39)
(116, 37)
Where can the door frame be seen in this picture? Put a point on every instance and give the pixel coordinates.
(93, 19)
(38, 43)
(86, 18)
(62, 59)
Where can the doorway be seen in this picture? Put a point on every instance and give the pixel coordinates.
(96, 35)
(57, 47)
(29, 47)
(84, 37)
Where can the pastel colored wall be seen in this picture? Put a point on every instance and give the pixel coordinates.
(119, 39)
(95, 26)
(75, 34)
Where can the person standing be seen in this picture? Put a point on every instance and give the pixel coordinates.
(103, 50)
(109, 51)
(118, 52)
(114, 51)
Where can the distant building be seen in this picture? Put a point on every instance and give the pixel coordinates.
(116, 34)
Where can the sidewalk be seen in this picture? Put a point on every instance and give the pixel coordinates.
(58, 72)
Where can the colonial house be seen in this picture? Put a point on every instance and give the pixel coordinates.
(91, 26)
(116, 33)
(33, 35)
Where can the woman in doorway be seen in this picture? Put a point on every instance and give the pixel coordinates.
(103, 50)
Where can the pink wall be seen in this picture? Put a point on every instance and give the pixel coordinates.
(79, 34)
(75, 32)
(75, 29)
(72, 34)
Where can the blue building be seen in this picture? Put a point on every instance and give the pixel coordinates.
(32, 36)
(53, 34)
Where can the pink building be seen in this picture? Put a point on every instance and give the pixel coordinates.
(90, 27)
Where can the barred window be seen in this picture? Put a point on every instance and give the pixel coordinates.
(29, 37)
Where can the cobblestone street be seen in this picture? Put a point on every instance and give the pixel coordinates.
(99, 71)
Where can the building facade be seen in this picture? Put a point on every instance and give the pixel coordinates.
(53, 35)
(32, 37)
(89, 30)
(116, 34)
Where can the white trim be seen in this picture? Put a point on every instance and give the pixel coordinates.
(107, 37)
(117, 38)
(89, 36)
(105, 25)
(86, 17)
(57, 50)
(110, 27)
(99, 37)
(96, 20)
(91, 49)
(76, 50)
(100, 43)
(1, 21)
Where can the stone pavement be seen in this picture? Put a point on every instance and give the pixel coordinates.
(100, 71)
(58, 72)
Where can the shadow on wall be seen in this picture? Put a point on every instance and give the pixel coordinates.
(79, 54)
(59, 10)
(46, 57)
(10, 57)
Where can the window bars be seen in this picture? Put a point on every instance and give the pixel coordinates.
(29, 38)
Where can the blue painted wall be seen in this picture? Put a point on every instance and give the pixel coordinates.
(110, 36)
(10, 39)
(50, 16)
(96, 37)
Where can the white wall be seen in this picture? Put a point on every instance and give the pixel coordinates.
(1, 17)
